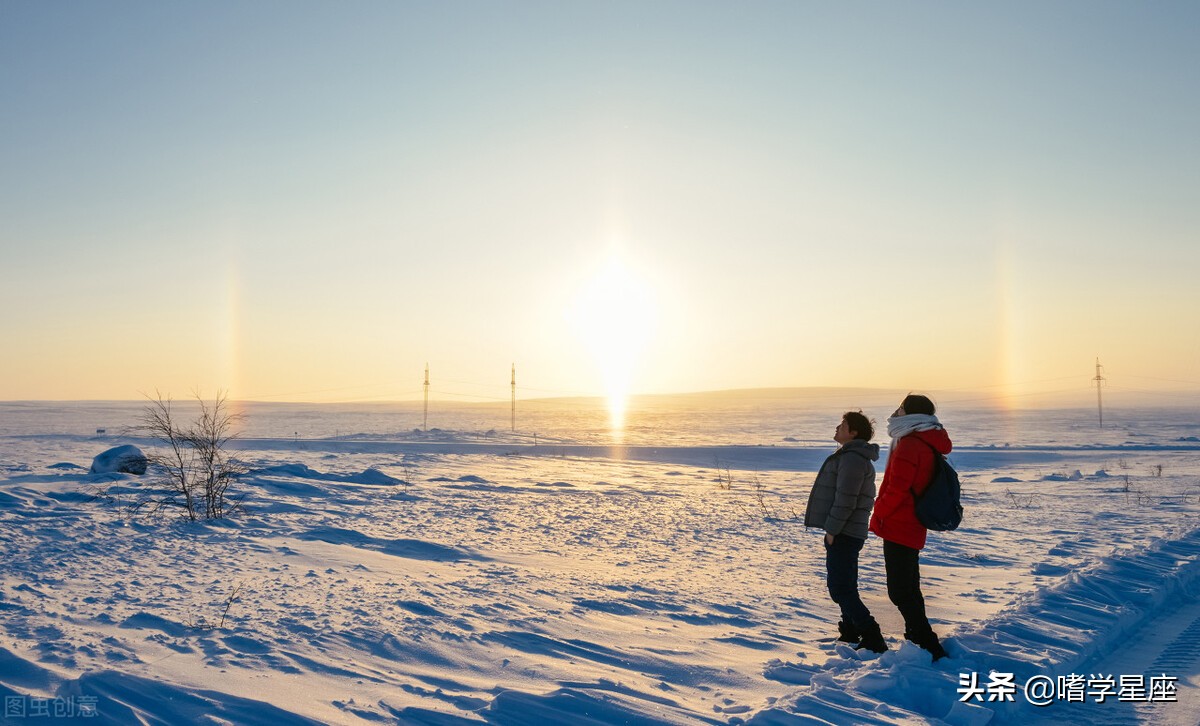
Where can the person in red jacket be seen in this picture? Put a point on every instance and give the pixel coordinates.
(915, 432)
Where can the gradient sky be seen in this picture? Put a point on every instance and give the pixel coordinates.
(309, 201)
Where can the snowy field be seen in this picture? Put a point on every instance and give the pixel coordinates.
(471, 575)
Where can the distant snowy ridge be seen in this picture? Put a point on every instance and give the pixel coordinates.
(789, 456)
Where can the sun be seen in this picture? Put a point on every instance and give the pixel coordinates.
(614, 315)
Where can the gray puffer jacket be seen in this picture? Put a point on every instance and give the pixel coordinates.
(842, 495)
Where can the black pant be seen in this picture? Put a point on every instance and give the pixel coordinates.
(841, 564)
(904, 588)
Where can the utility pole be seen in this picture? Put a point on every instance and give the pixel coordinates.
(514, 397)
(1099, 379)
(425, 426)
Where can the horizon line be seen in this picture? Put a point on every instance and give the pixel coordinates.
(980, 394)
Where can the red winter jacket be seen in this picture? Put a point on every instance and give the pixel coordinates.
(909, 469)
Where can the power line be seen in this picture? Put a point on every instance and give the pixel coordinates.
(1164, 380)
(306, 393)
(1012, 395)
(1166, 394)
(1013, 385)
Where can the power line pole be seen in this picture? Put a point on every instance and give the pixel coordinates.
(425, 425)
(514, 398)
(1099, 379)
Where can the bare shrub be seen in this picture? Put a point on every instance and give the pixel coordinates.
(1135, 494)
(760, 496)
(765, 508)
(203, 623)
(194, 466)
(409, 472)
(1020, 500)
(769, 512)
(724, 478)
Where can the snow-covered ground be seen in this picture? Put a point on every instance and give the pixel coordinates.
(478, 577)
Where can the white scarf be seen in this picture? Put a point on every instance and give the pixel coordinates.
(901, 426)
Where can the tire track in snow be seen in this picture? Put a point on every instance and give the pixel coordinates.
(1167, 645)
(1161, 584)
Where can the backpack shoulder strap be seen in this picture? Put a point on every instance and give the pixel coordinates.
(937, 459)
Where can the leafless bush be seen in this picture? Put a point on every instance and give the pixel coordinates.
(761, 498)
(194, 465)
(1020, 500)
(724, 478)
(761, 505)
(203, 623)
(769, 512)
(409, 473)
(1135, 494)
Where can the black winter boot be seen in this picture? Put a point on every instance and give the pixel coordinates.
(929, 641)
(872, 638)
(935, 648)
(847, 633)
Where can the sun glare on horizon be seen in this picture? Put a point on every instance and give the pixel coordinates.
(614, 316)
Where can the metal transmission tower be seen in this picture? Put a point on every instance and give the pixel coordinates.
(514, 398)
(1099, 379)
(425, 425)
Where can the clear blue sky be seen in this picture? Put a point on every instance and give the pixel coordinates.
(312, 200)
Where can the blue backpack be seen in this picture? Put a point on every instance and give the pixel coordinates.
(939, 507)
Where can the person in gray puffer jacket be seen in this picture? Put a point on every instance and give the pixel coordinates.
(840, 504)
